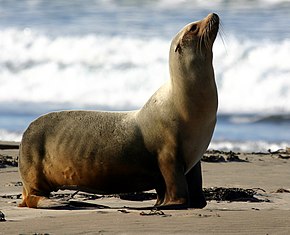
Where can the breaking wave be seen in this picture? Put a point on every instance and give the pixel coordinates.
(118, 72)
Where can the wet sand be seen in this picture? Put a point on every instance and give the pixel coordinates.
(225, 174)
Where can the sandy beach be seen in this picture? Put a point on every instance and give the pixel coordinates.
(226, 176)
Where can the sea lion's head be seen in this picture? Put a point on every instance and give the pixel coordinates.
(193, 44)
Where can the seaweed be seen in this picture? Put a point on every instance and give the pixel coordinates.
(8, 161)
(231, 194)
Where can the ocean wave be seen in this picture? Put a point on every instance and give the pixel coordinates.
(224, 145)
(247, 146)
(122, 73)
(9, 136)
(275, 119)
(89, 70)
(253, 76)
(240, 3)
(194, 3)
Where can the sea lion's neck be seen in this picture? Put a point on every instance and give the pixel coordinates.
(194, 91)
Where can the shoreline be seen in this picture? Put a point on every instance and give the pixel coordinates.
(265, 173)
(9, 145)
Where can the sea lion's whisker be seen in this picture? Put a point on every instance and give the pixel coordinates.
(199, 45)
(222, 35)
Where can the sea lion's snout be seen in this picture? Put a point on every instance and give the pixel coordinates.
(207, 27)
(212, 22)
(214, 17)
(197, 34)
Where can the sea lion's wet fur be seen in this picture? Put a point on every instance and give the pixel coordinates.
(158, 147)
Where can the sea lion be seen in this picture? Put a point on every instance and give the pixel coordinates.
(157, 147)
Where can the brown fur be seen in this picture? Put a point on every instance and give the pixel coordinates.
(158, 147)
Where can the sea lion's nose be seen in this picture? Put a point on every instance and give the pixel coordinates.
(214, 17)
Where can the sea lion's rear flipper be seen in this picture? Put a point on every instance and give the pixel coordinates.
(46, 203)
(34, 201)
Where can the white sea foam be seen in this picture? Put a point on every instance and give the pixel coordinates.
(87, 70)
(253, 76)
(9, 136)
(121, 73)
(248, 146)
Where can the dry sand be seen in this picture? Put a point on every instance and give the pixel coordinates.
(265, 173)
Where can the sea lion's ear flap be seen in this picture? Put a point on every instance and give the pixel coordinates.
(177, 47)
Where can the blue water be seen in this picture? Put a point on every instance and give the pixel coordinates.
(105, 55)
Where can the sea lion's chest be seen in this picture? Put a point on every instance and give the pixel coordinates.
(194, 141)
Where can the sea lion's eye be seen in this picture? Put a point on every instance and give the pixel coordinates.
(177, 48)
(193, 28)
